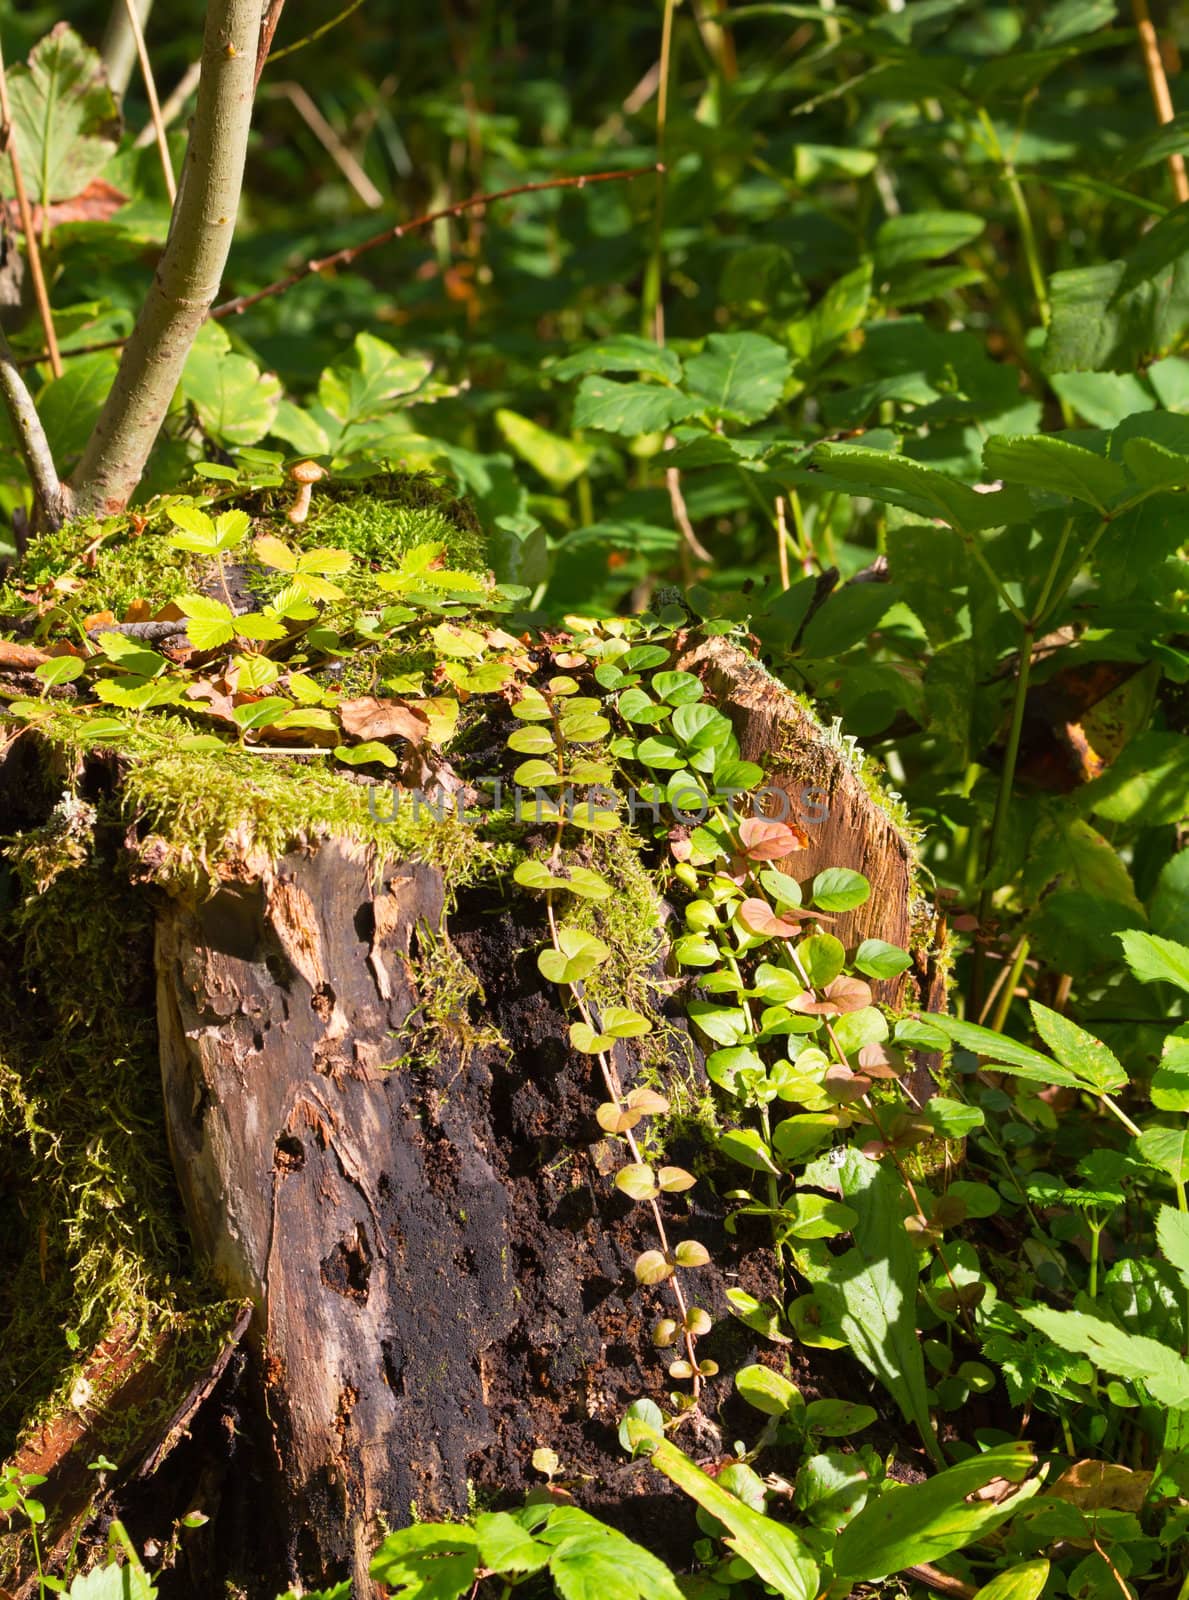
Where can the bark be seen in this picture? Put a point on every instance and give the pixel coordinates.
(191, 266)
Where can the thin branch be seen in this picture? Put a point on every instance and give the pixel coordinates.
(232, 308)
(190, 269)
(351, 254)
(150, 89)
(1158, 85)
(326, 136)
(51, 500)
(173, 106)
(8, 142)
(268, 28)
(310, 38)
(681, 514)
(119, 44)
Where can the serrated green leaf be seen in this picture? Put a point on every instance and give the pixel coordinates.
(1160, 1368)
(739, 375)
(64, 116)
(1088, 1058)
(620, 353)
(593, 1562)
(1156, 960)
(429, 1561)
(630, 408)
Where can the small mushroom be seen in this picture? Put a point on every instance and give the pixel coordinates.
(304, 474)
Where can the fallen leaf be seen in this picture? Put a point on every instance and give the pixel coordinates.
(98, 202)
(21, 657)
(370, 718)
(1100, 1485)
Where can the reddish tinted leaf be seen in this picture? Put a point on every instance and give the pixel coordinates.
(763, 840)
(877, 1062)
(848, 994)
(758, 917)
(96, 203)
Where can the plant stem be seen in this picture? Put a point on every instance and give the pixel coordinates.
(1158, 85)
(51, 501)
(999, 1020)
(8, 142)
(652, 300)
(119, 43)
(1023, 216)
(191, 266)
(150, 89)
(1010, 756)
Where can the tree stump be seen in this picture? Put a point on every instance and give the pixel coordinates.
(439, 1268)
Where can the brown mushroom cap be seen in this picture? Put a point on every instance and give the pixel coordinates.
(306, 472)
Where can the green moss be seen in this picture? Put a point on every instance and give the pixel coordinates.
(629, 922)
(384, 517)
(448, 993)
(203, 805)
(125, 565)
(107, 566)
(92, 1231)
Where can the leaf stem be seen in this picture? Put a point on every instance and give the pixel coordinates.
(1023, 215)
(8, 142)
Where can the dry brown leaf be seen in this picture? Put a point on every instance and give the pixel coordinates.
(21, 657)
(370, 718)
(1100, 1485)
(98, 202)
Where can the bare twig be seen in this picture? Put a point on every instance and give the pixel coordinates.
(8, 142)
(119, 44)
(326, 136)
(1161, 98)
(268, 28)
(191, 265)
(310, 38)
(681, 515)
(342, 258)
(50, 498)
(150, 89)
(782, 542)
(151, 631)
(173, 105)
(351, 254)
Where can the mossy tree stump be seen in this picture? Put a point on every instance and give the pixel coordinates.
(386, 1146)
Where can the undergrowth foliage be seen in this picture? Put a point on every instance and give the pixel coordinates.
(907, 420)
(880, 1244)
